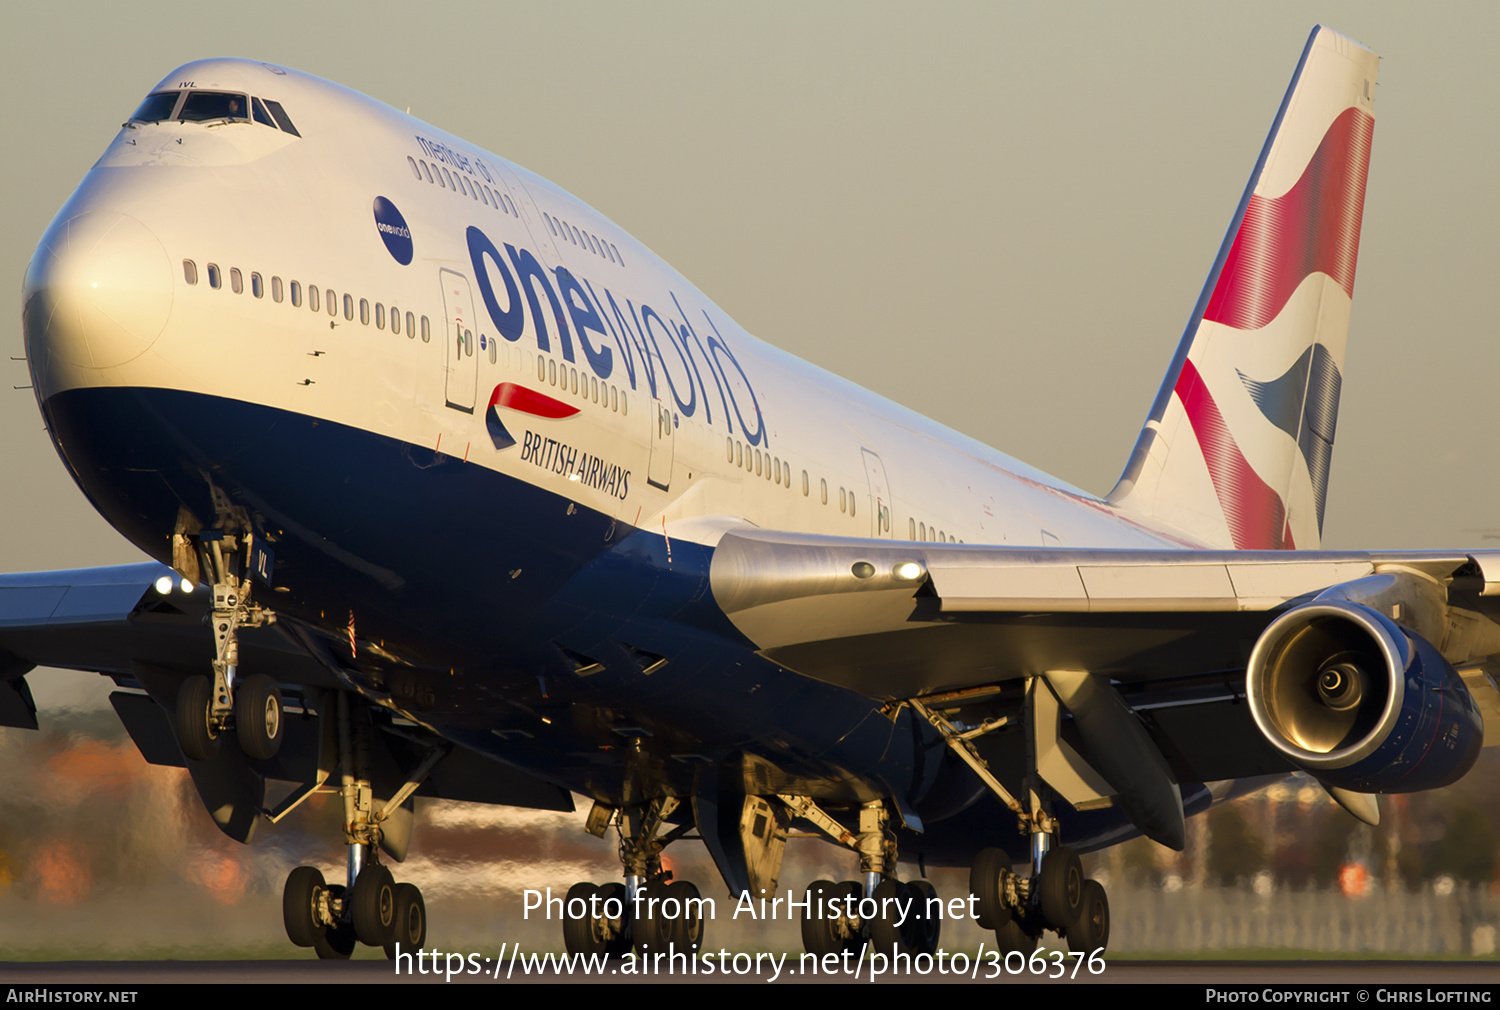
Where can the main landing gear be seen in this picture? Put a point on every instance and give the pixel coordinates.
(649, 911)
(891, 915)
(1055, 895)
(370, 907)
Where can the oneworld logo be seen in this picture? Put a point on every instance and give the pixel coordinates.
(393, 230)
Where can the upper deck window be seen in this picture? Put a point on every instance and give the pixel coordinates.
(202, 106)
(156, 107)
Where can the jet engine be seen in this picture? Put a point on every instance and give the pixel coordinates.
(1359, 702)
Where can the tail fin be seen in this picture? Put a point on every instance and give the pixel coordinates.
(1237, 446)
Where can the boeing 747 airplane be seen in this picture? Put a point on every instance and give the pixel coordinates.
(456, 490)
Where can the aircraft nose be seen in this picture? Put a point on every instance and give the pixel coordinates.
(98, 291)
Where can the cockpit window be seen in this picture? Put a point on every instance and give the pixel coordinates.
(213, 106)
(156, 107)
(282, 119)
(205, 105)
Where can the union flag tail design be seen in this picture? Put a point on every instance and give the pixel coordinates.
(1237, 448)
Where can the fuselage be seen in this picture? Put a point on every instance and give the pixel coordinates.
(491, 437)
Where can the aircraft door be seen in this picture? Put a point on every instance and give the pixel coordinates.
(659, 470)
(460, 338)
(880, 495)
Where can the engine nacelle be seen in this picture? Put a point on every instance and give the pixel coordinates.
(1359, 702)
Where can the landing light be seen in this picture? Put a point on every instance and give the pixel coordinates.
(908, 570)
(187, 587)
(164, 585)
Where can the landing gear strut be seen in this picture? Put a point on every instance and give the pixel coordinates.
(1055, 895)
(841, 918)
(649, 911)
(250, 706)
(371, 907)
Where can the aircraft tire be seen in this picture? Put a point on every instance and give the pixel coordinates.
(373, 903)
(584, 934)
(304, 886)
(1091, 931)
(1061, 888)
(195, 735)
(686, 930)
(411, 921)
(257, 716)
(818, 931)
(923, 931)
(886, 936)
(985, 878)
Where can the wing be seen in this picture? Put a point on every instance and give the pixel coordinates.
(145, 628)
(1220, 656)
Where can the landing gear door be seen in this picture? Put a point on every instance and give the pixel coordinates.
(880, 495)
(459, 338)
(659, 470)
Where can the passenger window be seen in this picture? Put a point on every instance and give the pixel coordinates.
(541, 368)
(257, 286)
(411, 328)
(618, 258)
(395, 320)
(331, 300)
(548, 218)
(493, 349)
(414, 169)
(614, 403)
(805, 485)
(426, 330)
(851, 503)
(236, 281)
(190, 271)
(379, 316)
(282, 119)
(484, 195)
(275, 289)
(312, 297)
(349, 307)
(824, 485)
(364, 311)
(624, 403)
(446, 180)
(911, 532)
(428, 170)
(296, 294)
(551, 373)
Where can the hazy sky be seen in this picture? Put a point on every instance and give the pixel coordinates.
(999, 214)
